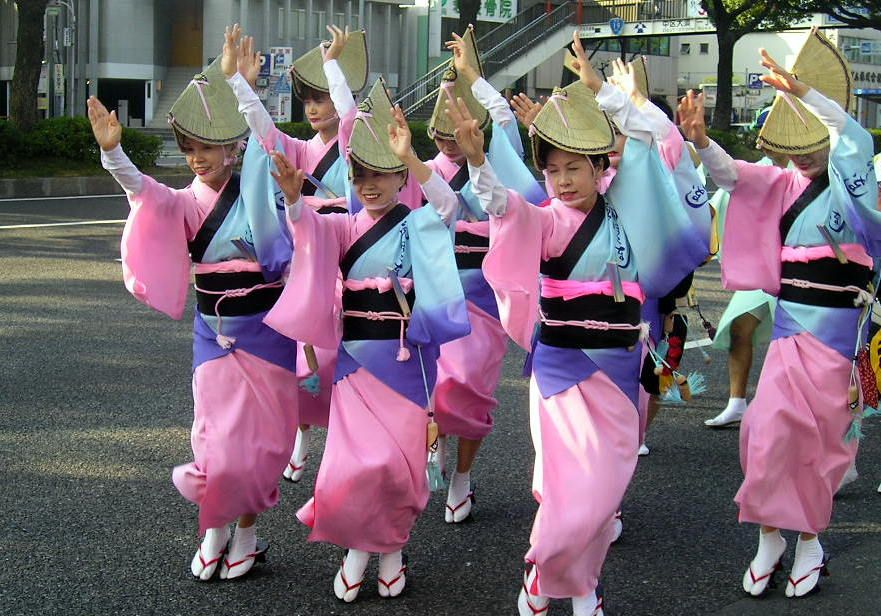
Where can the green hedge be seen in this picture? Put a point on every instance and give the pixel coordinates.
(876, 136)
(69, 139)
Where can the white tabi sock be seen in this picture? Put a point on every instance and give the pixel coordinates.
(771, 548)
(808, 556)
(301, 446)
(584, 606)
(460, 488)
(390, 565)
(242, 546)
(730, 414)
(356, 563)
(212, 546)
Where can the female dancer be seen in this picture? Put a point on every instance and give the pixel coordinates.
(819, 220)
(469, 369)
(597, 258)
(229, 233)
(402, 299)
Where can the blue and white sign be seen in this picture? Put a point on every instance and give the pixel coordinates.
(754, 81)
(265, 64)
(616, 24)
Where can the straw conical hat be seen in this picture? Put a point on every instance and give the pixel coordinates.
(572, 120)
(452, 88)
(207, 110)
(308, 71)
(369, 145)
(639, 68)
(820, 65)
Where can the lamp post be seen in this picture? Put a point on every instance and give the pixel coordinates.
(69, 41)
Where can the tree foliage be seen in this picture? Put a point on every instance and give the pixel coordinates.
(28, 59)
(853, 13)
(734, 19)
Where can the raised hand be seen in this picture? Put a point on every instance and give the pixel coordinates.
(337, 44)
(229, 62)
(780, 78)
(525, 109)
(105, 125)
(399, 136)
(460, 60)
(468, 134)
(691, 119)
(624, 78)
(248, 61)
(586, 73)
(289, 178)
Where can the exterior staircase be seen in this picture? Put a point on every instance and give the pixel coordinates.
(176, 79)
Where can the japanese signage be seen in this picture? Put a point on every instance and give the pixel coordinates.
(490, 10)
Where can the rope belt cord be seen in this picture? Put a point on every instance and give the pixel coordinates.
(470, 249)
(385, 315)
(643, 327)
(863, 297)
(226, 342)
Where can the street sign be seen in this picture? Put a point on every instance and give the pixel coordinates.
(265, 64)
(68, 37)
(53, 10)
(754, 81)
(616, 24)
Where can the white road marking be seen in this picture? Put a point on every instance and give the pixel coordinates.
(63, 224)
(62, 198)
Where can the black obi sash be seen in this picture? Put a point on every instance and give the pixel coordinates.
(199, 244)
(561, 267)
(254, 302)
(470, 260)
(371, 300)
(323, 166)
(592, 307)
(824, 271)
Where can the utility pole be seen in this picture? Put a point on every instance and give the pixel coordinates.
(52, 13)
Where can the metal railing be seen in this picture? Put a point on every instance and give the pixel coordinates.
(502, 44)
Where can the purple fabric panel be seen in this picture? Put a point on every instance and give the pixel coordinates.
(477, 290)
(250, 335)
(438, 324)
(834, 327)
(378, 357)
(557, 369)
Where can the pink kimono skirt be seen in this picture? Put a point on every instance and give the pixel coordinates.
(792, 447)
(586, 442)
(468, 373)
(371, 484)
(245, 419)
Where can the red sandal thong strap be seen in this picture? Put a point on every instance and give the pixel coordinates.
(470, 497)
(819, 568)
(345, 581)
(395, 580)
(531, 607)
(773, 570)
(208, 563)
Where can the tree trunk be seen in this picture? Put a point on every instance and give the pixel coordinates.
(722, 113)
(468, 10)
(28, 59)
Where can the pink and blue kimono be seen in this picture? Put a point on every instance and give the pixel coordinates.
(245, 410)
(558, 268)
(372, 482)
(469, 368)
(792, 447)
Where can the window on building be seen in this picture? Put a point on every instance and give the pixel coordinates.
(319, 20)
(684, 49)
(705, 49)
(297, 25)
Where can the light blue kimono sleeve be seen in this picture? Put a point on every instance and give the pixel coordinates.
(664, 241)
(439, 313)
(853, 183)
(264, 207)
(510, 168)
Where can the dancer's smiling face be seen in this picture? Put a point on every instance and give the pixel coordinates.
(813, 164)
(208, 161)
(450, 149)
(319, 110)
(377, 191)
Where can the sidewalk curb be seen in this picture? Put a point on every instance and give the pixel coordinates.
(24, 188)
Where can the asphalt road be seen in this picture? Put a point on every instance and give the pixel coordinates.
(95, 410)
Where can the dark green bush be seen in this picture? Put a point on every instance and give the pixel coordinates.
(876, 136)
(69, 139)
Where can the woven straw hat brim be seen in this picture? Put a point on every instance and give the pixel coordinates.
(188, 116)
(374, 152)
(589, 130)
(820, 65)
(439, 124)
(639, 68)
(308, 69)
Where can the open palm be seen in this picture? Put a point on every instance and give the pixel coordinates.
(105, 125)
